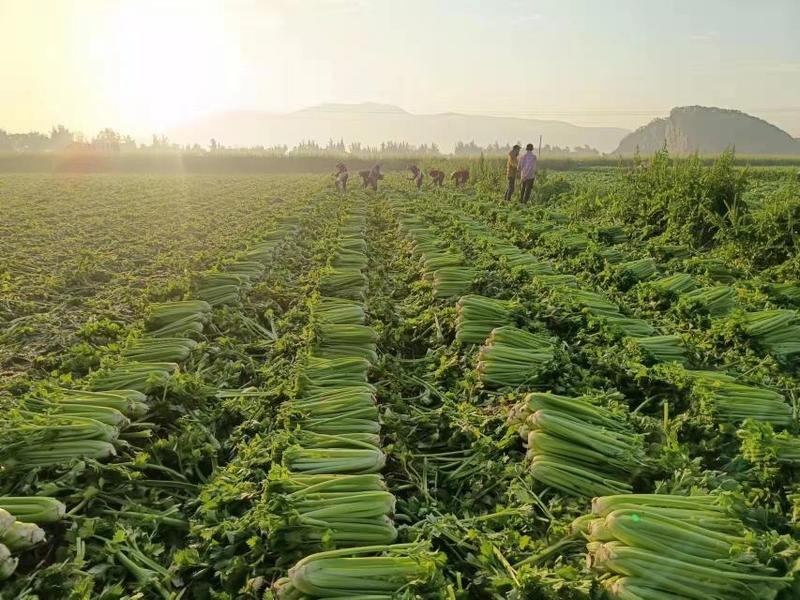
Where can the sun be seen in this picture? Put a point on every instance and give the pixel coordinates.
(159, 67)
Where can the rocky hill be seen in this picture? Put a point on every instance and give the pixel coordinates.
(709, 130)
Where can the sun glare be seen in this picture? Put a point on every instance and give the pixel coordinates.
(160, 68)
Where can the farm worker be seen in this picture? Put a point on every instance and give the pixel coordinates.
(416, 175)
(460, 177)
(374, 176)
(341, 177)
(437, 176)
(364, 177)
(511, 171)
(527, 173)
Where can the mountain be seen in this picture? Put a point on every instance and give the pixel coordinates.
(371, 124)
(709, 130)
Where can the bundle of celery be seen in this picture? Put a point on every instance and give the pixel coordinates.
(337, 310)
(652, 546)
(350, 259)
(599, 307)
(334, 340)
(612, 234)
(177, 318)
(368, 572)
(318, 510)
(512, 357)
(478, 315)
(337, 410)
(354, 243)
(568, 281)
(131, 403)
(787, 292)
(433, 260)
(776, 330)
(572, 243)
(323, 374)
(337, 460)
(246, 270)
(592, 303)
(577, 446)
(630, 326)
(674, 285)
(33, 509)
(343, 283)
(715, 301)
(139, 376)
(612, 255)
(761, 444)
(661, 348)
(637, 270)
(729, 402)
(104, 414)
(163, 349)
(713, 268)
(452, 281)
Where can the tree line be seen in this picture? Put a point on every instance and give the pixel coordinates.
(61, 139)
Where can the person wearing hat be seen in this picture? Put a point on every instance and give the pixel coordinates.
(527, 173)
(511, 171)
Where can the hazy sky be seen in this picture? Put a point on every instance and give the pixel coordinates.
(143, 66)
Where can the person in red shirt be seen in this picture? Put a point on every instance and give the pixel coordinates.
(437, 176)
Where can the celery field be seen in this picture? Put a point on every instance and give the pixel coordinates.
(252, 386)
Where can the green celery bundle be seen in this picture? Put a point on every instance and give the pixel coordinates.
(512, 357)
(167, 314)
(334, 340)
(729, 402)
(478, 315)
(131, 403)
(452, 281)
(163, 349)
(368, 573)
(337, 311)
(652, 546)
(661, 348)
(343, 283)
(139, 376)
(637, 270)
(777, 330)
(321, 374)
(577, 446)
(674, 285)
(715, 301)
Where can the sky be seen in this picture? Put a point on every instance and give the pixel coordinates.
(145, 66)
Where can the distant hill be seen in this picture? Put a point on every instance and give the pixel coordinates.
(707, 130)
(371, 124)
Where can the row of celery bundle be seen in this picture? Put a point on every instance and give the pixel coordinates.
(445, 266)
(658, 547)
(327, 492)
(577, 446)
